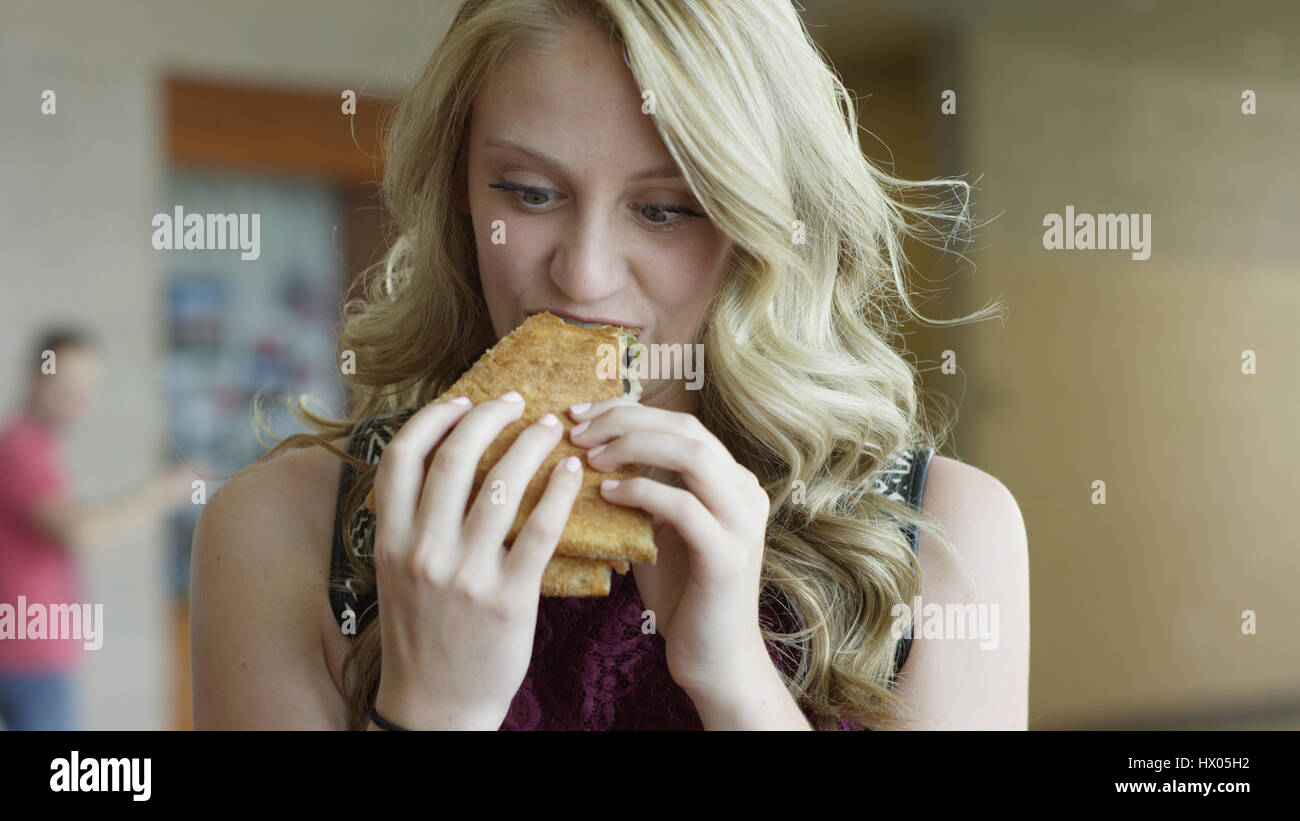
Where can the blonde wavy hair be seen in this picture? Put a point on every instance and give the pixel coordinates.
(766, 135)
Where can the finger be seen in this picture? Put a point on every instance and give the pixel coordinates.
(400, 474)
(586, 410)
(493, 514)
(679, 507)
(535, 544)
(714, 481)
(450, 477)
(622, 419)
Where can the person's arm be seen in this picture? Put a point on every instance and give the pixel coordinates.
(955, 683)
(85, 526)
(258, 584)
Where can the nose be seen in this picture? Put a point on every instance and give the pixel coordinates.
(588, 265)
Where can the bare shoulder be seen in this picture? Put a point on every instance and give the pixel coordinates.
(968, 500)
(978, 677)
(259, 582)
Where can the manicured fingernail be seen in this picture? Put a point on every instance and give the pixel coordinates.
(572, 464)
(512, 396)
(596, 450)
(580, 428)
(580, 408)
(549, 420)
(460, 400)
(609, 484)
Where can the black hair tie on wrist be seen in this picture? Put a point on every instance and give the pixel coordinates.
(383, 722)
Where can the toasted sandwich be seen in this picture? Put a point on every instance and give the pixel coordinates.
(555, 364)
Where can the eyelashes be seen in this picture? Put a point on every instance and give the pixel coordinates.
(518, 192)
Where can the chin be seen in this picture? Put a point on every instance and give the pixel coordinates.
(654, 392)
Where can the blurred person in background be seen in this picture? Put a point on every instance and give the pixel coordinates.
(43, 529)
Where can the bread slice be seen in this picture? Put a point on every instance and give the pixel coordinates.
(555, 365)
(564, 577)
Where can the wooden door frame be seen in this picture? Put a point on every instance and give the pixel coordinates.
(281, 132)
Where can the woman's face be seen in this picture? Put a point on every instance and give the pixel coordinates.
(586, 233)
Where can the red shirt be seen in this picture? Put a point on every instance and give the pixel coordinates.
(32, 565)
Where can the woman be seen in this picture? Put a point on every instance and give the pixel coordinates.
(695, 172)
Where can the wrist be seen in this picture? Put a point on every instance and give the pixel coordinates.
(763, 704)
(752, 697)
(735, 686)
(424, 713)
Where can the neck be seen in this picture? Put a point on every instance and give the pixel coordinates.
(33, 412)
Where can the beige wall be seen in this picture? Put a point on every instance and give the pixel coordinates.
(1130, 372)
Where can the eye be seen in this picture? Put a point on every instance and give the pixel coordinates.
(520, 192)
(656, 212)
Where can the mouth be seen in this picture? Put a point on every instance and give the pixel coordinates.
(632, 387)
(635, 330)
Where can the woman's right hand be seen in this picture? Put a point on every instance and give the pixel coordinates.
(457, 611)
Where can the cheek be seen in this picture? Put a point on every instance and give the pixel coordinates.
(509, 269)
(685, 276)
(510, 265)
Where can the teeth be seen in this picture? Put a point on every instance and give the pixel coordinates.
(584, 324)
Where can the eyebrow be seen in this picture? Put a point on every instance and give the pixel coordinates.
(663, 172)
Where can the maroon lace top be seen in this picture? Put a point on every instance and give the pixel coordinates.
(592, 666)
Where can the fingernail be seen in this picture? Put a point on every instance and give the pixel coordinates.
(549, 420)
(460, 400)
(512, 396)
(596, 450)
(572, 464)
(580, 428)
(580, 408)
(609, 484)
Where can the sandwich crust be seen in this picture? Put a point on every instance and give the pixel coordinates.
(565, 577)
(554, 365)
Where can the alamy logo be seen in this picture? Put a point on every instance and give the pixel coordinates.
(208, 232)
(931, 620)
(657, 360)
(77, 774)
(53, 621)
(1085, 232)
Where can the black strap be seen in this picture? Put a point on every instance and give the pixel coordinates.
(342, 601)
(910, 471)
(367, 443)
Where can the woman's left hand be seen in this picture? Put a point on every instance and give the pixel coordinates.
(704, 587)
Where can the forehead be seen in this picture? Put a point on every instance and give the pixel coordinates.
(575, 100)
